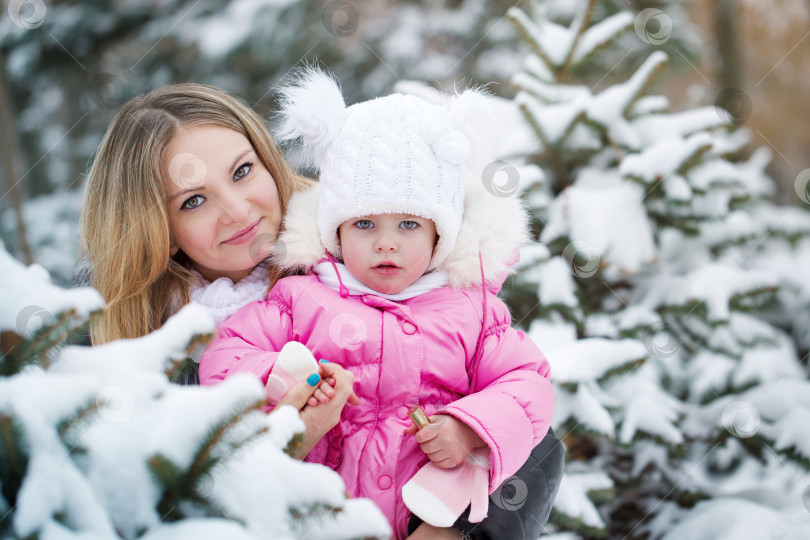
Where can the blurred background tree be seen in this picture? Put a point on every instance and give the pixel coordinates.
(68, 66)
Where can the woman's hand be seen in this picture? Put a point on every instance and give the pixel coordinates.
(320, 419)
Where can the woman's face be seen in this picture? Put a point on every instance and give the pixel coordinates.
(223, 204)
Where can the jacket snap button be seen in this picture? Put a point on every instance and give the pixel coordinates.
(384, 481)
(408, 328)
(402, 412)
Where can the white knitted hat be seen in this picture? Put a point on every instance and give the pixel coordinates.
(395, 154)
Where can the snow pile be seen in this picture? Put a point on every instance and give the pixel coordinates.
(98, 433)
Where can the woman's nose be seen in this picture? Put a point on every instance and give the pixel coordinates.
(235, 209)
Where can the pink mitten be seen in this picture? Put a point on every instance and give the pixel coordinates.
(439, 496)
(294, 363)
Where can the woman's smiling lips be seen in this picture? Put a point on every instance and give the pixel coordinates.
(245, 235)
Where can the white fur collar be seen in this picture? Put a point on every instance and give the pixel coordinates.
(493, 225)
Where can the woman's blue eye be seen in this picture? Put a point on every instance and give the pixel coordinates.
(242, 171)
(364, 224)
(409, 225)
(193, 202)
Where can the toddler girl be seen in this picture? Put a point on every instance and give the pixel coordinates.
(404, 258)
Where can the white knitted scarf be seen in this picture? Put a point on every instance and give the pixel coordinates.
(223, 297)
(326, 275)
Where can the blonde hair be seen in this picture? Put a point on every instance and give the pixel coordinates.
(124, 221)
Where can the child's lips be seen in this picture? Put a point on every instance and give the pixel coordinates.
(245, 235)
(386, 268)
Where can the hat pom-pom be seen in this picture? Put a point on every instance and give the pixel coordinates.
(452, 147)
(313, 109)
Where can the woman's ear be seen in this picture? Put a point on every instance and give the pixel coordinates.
(173, 249)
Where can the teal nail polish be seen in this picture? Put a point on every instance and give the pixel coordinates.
(324, 361)
(313, 379)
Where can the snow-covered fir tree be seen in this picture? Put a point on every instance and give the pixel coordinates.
(671, 298)
(98, 443)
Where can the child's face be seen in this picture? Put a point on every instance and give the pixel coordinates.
(387, 252)
(223, 204)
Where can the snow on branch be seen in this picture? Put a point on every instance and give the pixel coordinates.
(30, 301)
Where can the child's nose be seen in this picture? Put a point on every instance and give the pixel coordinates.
(385, 243)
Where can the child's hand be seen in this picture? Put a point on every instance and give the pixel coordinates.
(446, 440)
(323, 393)
(330, 371)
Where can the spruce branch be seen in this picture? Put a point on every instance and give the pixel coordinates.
(203, 462)
(182, 486)
(643, 79)
(578, 27)
(566, 522)
(529, 31)
(66, 427)
(13, 457)
(186, 370)
(316, 510)
(621, 370)
(294, 445)
(754, 299)
(183, 370)
(594, 40)
(170, 478)
(35, 350)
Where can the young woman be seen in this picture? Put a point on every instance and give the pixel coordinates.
(184, 201)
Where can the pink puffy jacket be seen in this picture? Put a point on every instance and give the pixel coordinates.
(420, 350)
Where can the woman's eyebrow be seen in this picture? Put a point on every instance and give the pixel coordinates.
(239, 157)
(184, 191)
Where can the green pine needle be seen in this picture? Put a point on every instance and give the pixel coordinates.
(13, 458)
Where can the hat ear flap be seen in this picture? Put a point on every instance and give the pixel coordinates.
(313, 109)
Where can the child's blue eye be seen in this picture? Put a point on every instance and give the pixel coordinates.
(193, 202)
(243, 171)
(364, 224)
(408, 225)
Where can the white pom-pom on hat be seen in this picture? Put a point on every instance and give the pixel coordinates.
(312, 108)
(453, 147)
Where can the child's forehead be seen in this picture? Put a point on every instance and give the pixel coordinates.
(392, 216)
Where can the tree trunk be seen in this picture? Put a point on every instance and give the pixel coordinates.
(727, 46)
(8, 139)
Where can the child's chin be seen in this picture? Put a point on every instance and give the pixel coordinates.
(387, 290)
